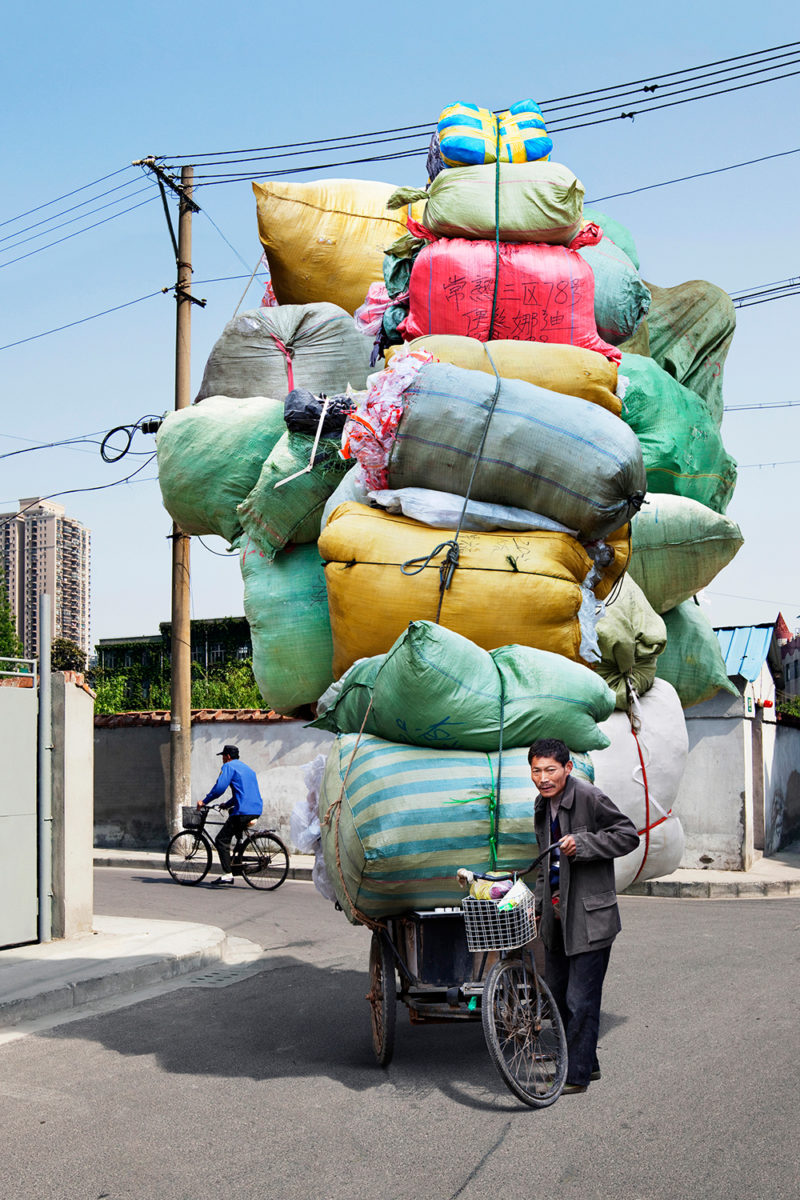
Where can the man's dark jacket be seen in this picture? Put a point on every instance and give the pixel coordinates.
(587, 893)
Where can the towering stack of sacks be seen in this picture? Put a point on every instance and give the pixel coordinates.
(498, 534)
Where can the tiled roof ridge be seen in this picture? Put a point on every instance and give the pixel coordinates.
(251, 716)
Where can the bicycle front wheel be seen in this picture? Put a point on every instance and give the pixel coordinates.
(524, 1033)
(188, 857)
(265, 861)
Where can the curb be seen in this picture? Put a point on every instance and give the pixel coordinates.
(147, 860)
(204, 946)
(745, 889)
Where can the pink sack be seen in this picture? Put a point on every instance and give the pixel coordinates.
(544, 294)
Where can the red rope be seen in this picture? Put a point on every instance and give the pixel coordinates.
(647, 825)
(288, 355)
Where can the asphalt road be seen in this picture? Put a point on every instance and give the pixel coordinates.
(266, 1086)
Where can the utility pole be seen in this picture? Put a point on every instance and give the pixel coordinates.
(180, 725)
(180, 761)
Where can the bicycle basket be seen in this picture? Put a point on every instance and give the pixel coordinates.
(192, 817)
(490, 929)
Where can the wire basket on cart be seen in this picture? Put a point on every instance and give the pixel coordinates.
(490, 928)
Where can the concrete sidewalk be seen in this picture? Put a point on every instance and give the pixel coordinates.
(300, 865)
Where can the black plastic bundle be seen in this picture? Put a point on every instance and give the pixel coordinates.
(302, 411)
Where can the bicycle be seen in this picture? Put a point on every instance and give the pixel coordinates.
(260, 857)
(435, 955)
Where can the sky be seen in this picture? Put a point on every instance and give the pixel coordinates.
(91, 87)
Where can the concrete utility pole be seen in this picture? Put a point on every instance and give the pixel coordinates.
(180, 727)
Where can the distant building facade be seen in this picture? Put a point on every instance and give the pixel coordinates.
(44, 550)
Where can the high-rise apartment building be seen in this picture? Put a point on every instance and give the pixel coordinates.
(46, 551)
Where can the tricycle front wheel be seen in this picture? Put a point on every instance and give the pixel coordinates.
(524, 1032)
(382, 997)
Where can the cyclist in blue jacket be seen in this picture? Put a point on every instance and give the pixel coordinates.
(245, 804)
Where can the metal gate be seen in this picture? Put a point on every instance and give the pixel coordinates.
(19, 706)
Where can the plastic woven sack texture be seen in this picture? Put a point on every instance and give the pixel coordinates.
(468, 134)
(615, 231)
(554, 454)
(679, 546)
(292, 512)
(691, 328)
(411, 816)
(663, 743)
(569, 370)
(692, 661)
(287, 610)
(270, 351)
(544, 294)
(631, 635)
(508, 587)
(209, 457)
(681, 442)
(530, 202)
(621, 297)
(436, 688)
(324, 240)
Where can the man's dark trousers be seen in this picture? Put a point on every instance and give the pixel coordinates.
(231, 829)
(576, 982)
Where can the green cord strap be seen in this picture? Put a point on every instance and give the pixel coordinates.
(496, 231)
(493, 797)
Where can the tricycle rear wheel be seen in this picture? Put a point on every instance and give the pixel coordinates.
(382, 997)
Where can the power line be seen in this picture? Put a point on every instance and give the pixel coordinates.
(82, 320)
(72, 220)
(74, 491)
(698, 175)
(72, 208)
(66, 196)
(425, 127)
(77, 232)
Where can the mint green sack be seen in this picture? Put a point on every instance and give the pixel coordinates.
(631, 636)
(291, 512)
(692, 661)
(436, 688)
(681, 442)
(209, 457)
(614, 230)
(621, 297)
(286, 606)
(678, 547)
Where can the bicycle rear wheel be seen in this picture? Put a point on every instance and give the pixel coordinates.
(265, 861)
(189, 857)
(382, 998)
(524, 1033)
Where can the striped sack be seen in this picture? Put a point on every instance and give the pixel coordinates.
(468, 135)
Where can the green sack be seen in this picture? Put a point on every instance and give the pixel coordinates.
(210, 456)
(692, 661)
(621, 298)
(398, 821)
(679, 546)
(630, 636)
(286, 606)
(681, 442)
(691, 328)
(436, 688)
(538, 202)
(292, 512)
(614, 230)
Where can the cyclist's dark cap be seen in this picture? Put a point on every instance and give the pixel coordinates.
(231, 751)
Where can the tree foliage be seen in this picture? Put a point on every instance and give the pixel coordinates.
(66, 655)
(230, 685)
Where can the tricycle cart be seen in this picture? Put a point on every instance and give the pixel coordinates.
(472, 963)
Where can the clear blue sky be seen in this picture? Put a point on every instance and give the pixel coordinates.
(90, 87)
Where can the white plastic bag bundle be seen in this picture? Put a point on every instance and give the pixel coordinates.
(304, 825)
(620, 772)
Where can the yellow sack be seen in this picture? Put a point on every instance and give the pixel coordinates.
(325, 240)
(570, 370)
(508, 587)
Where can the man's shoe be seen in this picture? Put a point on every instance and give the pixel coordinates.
(595, 1075)
(223, 881)
(573, 1088)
